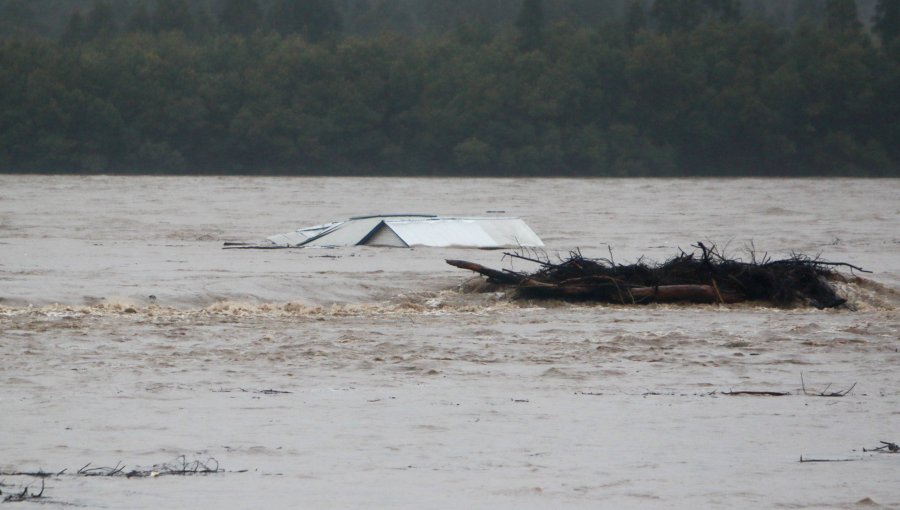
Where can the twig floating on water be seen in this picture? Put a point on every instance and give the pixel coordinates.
(825, 392)
(758, 393)
(826, 460)
(101, 471)
(245, 390)
(24, 495)
(886, 447)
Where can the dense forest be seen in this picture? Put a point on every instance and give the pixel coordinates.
(451, 87)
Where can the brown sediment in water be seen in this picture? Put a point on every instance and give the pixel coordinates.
(474, 296)
(364, 377)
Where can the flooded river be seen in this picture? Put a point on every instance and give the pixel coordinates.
(370, 378)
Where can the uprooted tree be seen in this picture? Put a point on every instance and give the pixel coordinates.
(710, 277)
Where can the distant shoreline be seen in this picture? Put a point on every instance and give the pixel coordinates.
(440, 175)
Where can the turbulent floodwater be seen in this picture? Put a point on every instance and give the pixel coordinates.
(127, 335)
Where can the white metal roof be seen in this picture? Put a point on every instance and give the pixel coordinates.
(414, 230)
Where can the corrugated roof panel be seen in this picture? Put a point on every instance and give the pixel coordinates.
(510, 232)
(318, 229)
(289, 239)
(301, 235)
(348, 233)
(442, 233)
(414, 230)
(394, 216)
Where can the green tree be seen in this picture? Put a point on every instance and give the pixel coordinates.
(17, 17)
(841, 15)
(635, 18)
(474, 156)
(314, 19)
(203, 24)
(812, 11)
(727, 11)
(742, 98)
(381, 15)
(140, 19)
(759, 10)
(530, 23)
(241, 16)
(677, 15)
(74, 31)
(686, 15)
(100, 22)
(172, 15)
(887, 20)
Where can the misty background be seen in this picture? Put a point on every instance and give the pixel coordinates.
(451, 87)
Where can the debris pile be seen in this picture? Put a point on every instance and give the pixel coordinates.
(710, 277)
(180, 466)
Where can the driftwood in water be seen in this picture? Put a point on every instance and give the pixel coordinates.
(886, 447)
(493, 274)
(709, 278)
(600, 288)
(24, 495)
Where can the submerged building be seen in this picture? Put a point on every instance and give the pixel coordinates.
(407, 230)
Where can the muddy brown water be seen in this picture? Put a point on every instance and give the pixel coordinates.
(394, 387)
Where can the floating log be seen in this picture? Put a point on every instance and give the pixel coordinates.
(493, 274)
(692, 293)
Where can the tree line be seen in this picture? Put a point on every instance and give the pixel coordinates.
(201, 18)
(671, 87)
